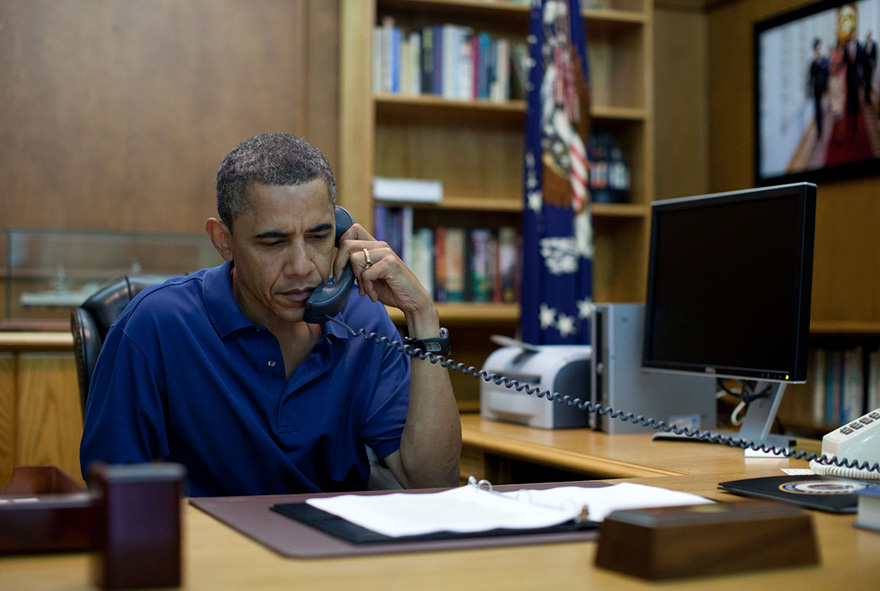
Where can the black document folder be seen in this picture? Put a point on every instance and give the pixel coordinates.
(341, 528)
(826, 493)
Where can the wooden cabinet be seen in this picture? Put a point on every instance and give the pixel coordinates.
(476, 147)
(40, 415)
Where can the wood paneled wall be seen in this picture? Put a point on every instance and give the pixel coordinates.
(681, 116)
(846, 269)
(705, 137)
(115, 114)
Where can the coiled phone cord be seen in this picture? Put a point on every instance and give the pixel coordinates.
(840, 466)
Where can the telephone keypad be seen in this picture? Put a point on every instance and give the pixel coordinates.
(864, 421)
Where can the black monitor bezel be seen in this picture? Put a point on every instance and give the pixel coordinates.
(805, 193)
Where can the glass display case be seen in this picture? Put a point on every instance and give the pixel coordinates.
(50, 271)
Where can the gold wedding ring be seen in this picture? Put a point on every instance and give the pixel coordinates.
(369, 262)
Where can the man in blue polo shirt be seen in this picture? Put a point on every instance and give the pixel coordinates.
(219, 371)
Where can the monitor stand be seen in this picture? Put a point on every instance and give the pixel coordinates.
(760, 415)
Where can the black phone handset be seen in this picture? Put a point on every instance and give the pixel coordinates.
(327, 300)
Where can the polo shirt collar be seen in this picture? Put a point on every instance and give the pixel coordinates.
(227, 317)
(223, 310)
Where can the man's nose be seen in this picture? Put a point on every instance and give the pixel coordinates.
(299, 262)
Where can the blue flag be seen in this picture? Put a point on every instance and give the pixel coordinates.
(557, 285)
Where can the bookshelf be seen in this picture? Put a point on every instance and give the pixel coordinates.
(475, 147)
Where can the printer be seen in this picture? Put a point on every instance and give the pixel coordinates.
(562, 369)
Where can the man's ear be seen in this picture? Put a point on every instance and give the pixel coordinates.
(220, 236)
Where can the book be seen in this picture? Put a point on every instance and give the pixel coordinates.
(852, 390)
(868, 508)
(507, 283)
(394, 225)
(480, 266)
(451, 42)
(407, 190)
(454, 253)
(387, 65)
(449, 60)
(413, 69)
(825, 493)
(440, 264)
(427, 59)
(423, 258)
(379, 217)
(378, 59)
(873, 379)
(499, 89)
(819, 361)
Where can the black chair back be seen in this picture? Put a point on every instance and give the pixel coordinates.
(90, 322)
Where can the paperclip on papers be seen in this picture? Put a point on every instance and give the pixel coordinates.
(466, 512)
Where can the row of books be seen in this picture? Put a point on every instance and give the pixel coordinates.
(454, 264)
(845, 383)
(448, 60)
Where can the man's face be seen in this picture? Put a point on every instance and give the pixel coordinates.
(282, 246)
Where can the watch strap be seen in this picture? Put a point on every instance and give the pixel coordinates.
(434, 346)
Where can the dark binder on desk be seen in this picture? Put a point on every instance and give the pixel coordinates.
(825, 493)
(350, 532)
(253, 517)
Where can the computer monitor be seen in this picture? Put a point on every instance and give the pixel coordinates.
(728, 295)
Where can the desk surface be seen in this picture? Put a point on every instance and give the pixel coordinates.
(612, 456)
(218, 557)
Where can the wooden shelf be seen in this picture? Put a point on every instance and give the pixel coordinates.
(621, 210)
(470, 313)
(435, 102)
(467, 203)
(501, 205)
(430, 103)
(476, 147)
(516, 12)
(845, 328)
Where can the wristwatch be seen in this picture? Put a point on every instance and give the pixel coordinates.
(435, 346)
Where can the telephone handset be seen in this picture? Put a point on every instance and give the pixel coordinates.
(852, 450)
(859, 441)
(327, 300)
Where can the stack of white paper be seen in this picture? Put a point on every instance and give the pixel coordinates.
(473, 509)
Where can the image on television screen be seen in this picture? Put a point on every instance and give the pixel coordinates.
(816, 93)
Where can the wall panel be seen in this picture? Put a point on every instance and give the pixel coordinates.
(116, 113)
(846, 272)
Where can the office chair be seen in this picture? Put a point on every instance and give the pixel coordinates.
(90, 322)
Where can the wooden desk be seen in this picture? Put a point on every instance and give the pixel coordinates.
(509, 454)
(217, 557)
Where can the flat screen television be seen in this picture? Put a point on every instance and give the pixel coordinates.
(728, 294)
(816, 94)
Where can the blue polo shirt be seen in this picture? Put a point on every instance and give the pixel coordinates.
(184, 376)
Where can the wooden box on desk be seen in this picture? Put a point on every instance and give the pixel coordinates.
(42, 509)
(701, 540)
